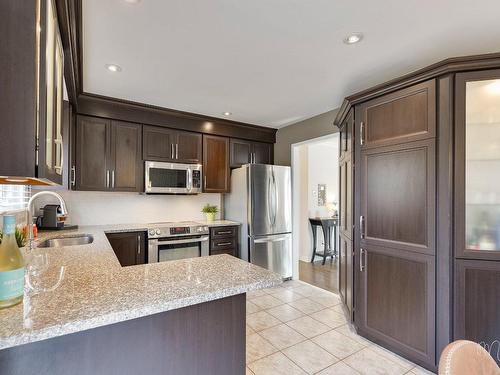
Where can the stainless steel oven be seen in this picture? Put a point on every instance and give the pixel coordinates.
(172, 178)
(173, 241)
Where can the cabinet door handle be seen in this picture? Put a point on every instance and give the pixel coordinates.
(73, 175)
(204, 181)
(362, 226)
(113, 178)
(362, 133)
(177, 151)
(139, 244)
(107, 178)
(361, 260)
(171, 151)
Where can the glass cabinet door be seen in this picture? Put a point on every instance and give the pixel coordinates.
(478, 184)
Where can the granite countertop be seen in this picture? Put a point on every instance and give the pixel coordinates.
(96, 291)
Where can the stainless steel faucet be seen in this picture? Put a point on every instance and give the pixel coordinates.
(64, 211)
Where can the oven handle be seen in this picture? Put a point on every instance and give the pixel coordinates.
(191, 240)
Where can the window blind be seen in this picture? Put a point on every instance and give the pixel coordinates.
(14, 197)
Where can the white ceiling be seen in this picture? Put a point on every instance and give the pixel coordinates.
(271, 62)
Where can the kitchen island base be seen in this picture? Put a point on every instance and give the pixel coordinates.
(207, 338)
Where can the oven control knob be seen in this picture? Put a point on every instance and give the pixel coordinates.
(151, 232)
(158, 232)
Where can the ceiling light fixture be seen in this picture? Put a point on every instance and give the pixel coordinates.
(113, 68)
(227, 113)
(133, 1)
(353, 38)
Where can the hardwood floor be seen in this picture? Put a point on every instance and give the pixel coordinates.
(325, 277)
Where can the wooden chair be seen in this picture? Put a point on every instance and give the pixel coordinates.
(464, 357)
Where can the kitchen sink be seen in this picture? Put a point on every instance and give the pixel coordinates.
(83, 239)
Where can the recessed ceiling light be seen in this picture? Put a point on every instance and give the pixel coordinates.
(113, 68)
(353, 38)
(227, 113)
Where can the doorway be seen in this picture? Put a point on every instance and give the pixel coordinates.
(315, 192)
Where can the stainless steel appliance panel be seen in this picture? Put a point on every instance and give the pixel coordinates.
(273, 253)
(270, 199)
(172, 178)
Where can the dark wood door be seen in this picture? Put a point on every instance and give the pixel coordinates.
(126, 166)
(396, 304)
(92, 145)
(130, 247)
(402, 116)
(262, 153)
(159, 143)
(188, 148)
(477, 303)
(240, 152)
(216, 173)
(346, 273)
(397, 199)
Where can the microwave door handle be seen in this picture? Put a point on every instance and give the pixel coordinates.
(190, 179)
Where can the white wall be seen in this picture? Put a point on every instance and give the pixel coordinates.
(97, 208)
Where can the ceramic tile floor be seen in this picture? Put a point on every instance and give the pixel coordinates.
(297, 328)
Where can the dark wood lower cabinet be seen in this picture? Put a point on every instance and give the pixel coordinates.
(477, 303)
(224, 240)
(346, 277)
(395, 302)
(203, 339)
(130, 247)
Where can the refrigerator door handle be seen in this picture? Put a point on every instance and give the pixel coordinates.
(270, 239)
(275, 199)
(269, 201)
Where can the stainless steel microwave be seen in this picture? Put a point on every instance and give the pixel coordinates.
(172, 178)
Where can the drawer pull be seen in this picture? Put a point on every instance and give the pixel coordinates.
(225, 232)
(224, 243)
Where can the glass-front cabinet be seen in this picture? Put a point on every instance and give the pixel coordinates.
(477, 188)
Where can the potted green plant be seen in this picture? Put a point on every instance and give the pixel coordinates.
(210, 211)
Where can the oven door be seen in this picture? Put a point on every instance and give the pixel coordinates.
(169, 178)
(166, 249)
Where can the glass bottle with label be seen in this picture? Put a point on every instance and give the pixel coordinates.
(11, 265)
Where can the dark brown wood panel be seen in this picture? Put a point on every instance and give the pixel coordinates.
(127, 171)
(398, 196)
(263, 153)
(158, 143)
(224, 240)
(397, 305)
(216, 171)
(461, 250)
(346, 197)
(402, 116)
(129, 247)
(223, 232)
(203, 339)
(92, 159)
(346, 276)
(240, 152)
(117, 109)
(189, 147)
(477, 303)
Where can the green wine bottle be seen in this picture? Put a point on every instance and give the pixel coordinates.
(11, 266)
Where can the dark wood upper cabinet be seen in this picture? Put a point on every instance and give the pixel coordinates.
(477, 164)
(170, 145)
(92, 143)
(108, 155)
(402, 116)
(244, 152)
(129, 247)
(477, 303)
(216, 172)
(126, 166)
(31, 108)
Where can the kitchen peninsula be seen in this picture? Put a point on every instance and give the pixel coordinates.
(178, 317)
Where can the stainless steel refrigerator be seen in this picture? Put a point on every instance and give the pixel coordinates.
(261, 199)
